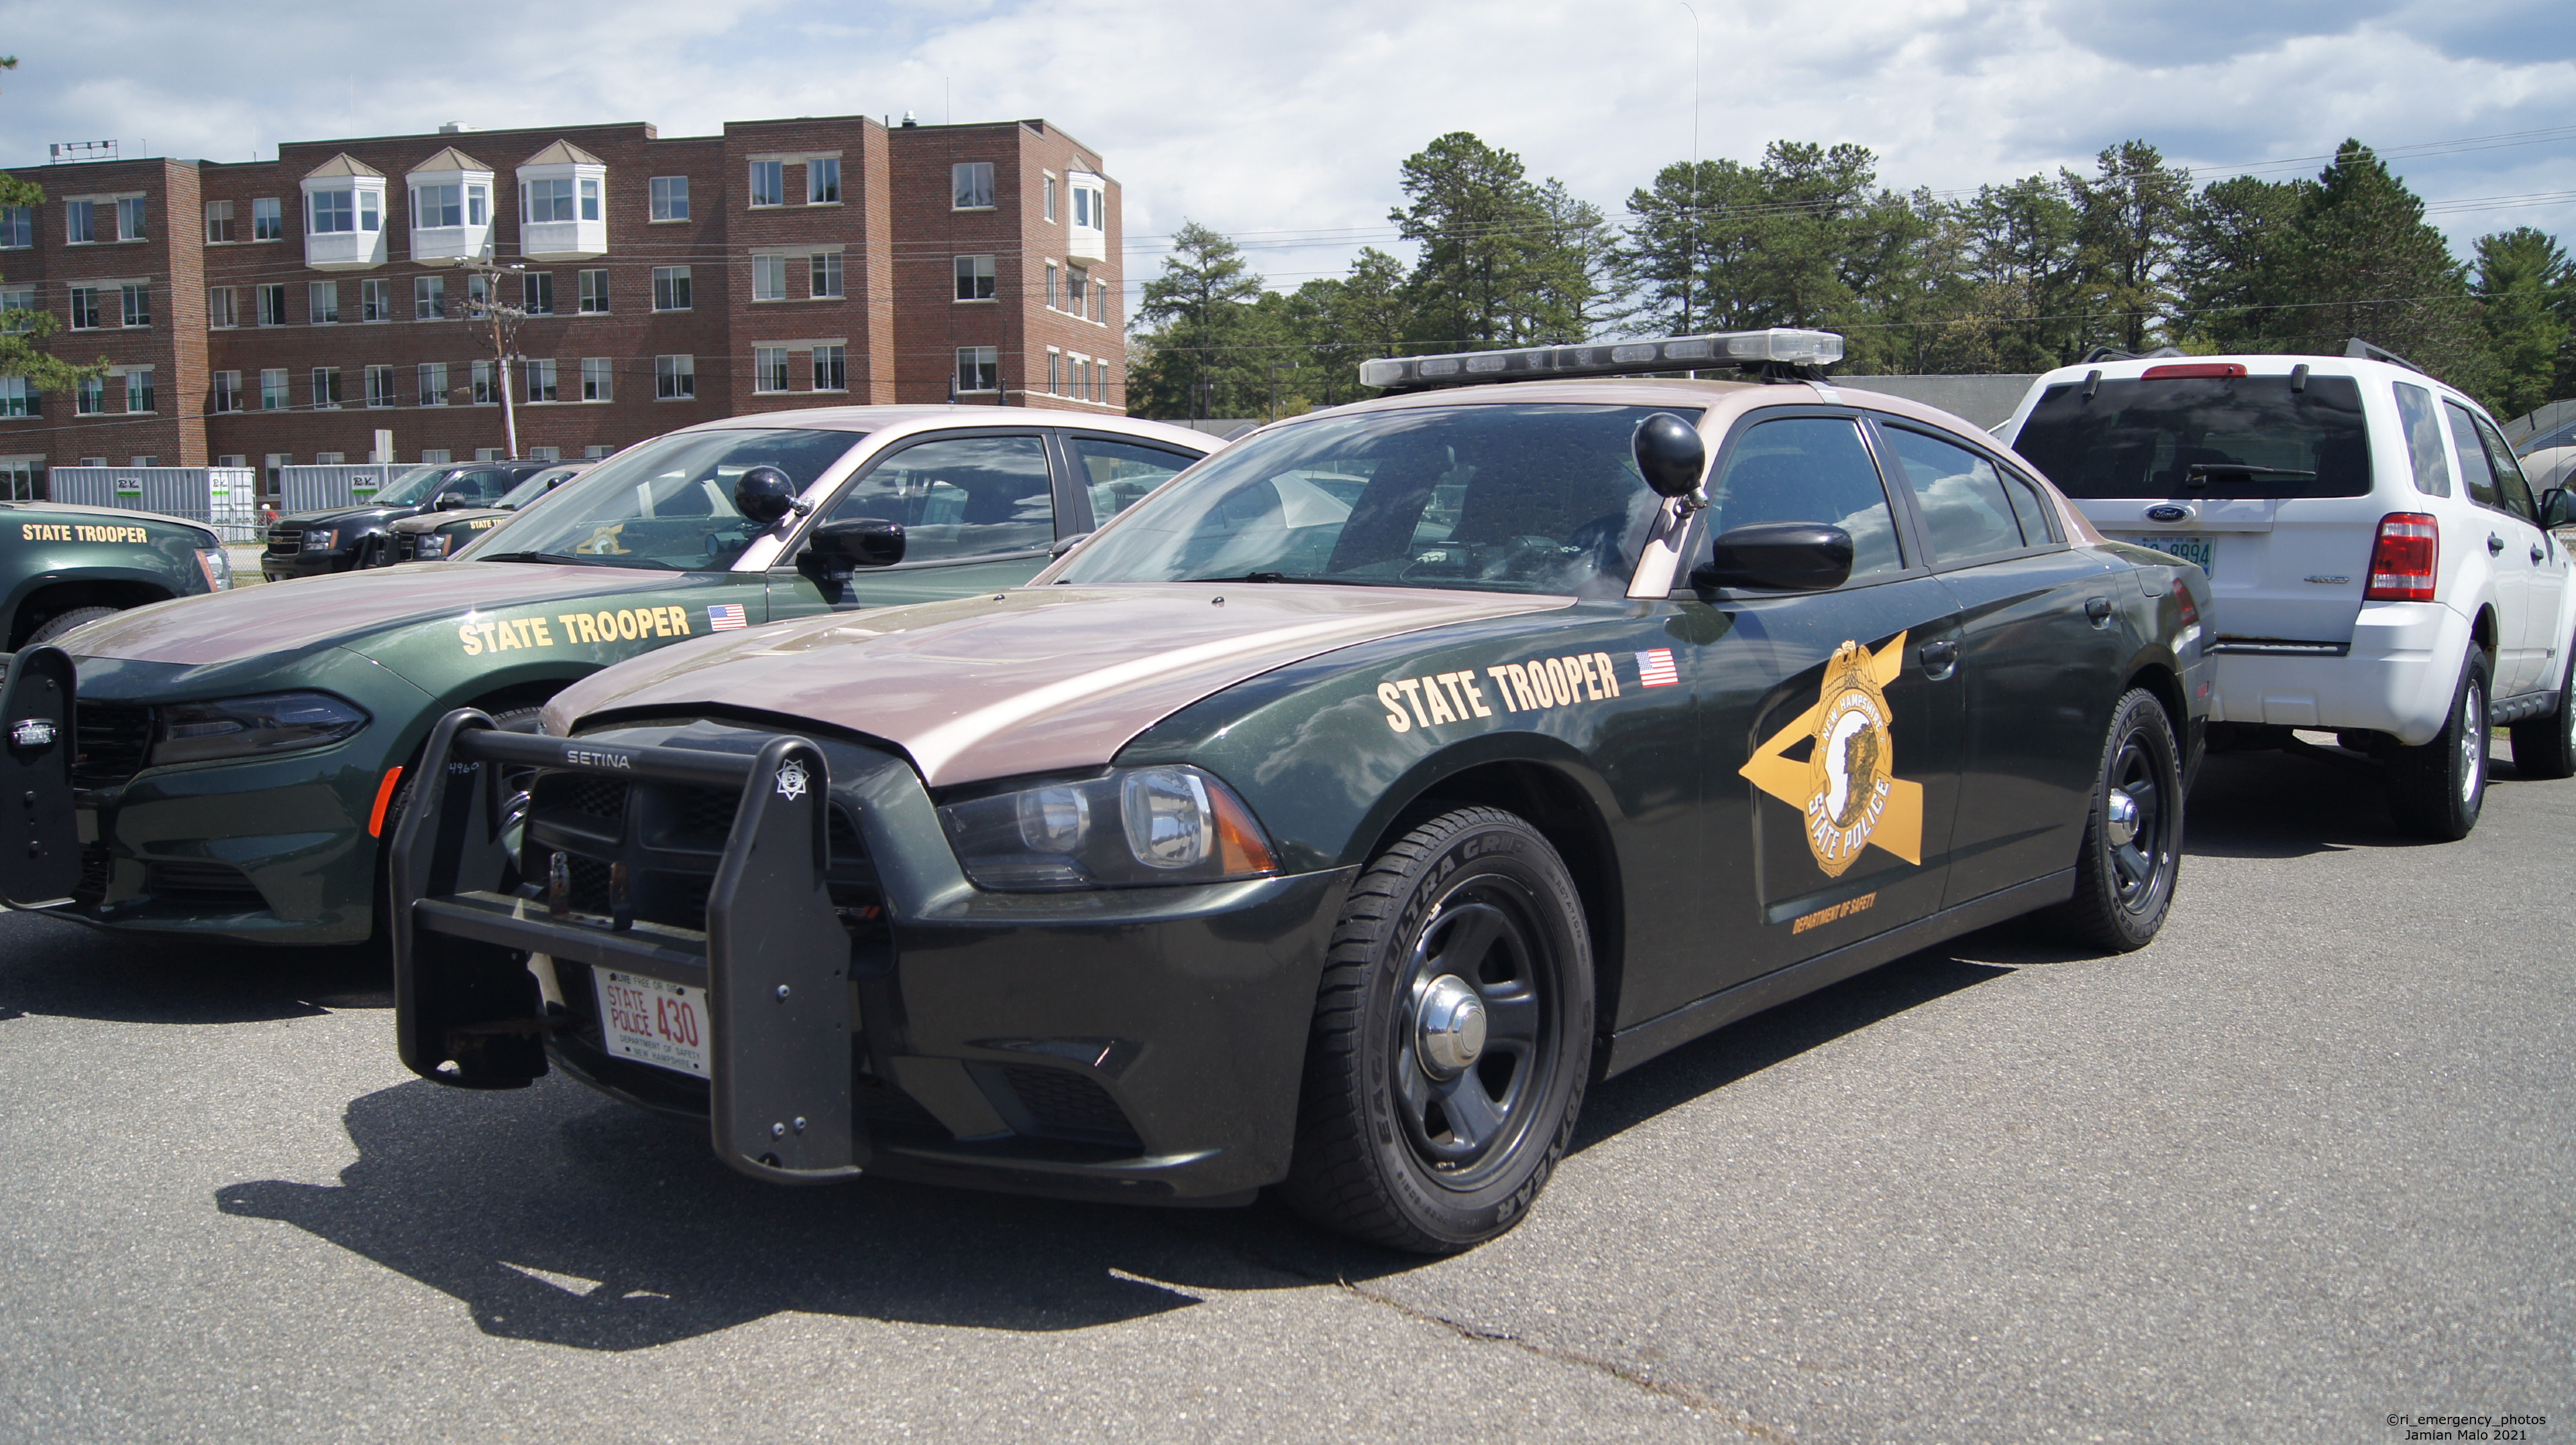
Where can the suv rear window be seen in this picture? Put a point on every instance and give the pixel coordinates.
(2201, 436)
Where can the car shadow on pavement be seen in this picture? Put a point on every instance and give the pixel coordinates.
(54, 967)
(2287, 805)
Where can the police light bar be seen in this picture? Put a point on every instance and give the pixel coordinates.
(1776, 346)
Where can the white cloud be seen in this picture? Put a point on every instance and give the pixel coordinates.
(1282, 123)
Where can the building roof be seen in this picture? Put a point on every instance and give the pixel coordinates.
(449, 158)
(563, 152)
(344, 164)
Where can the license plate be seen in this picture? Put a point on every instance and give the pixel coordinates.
(2201, 552)
(653, 1022)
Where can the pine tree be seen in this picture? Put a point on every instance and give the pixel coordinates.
(2526, 293)
(1205, 355)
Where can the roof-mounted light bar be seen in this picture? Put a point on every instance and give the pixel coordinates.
(1778, 346)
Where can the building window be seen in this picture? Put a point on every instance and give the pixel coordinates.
(433, 385)
(137, 299)
(594, 293)
(979, 368)
(272, 305)
(670, 288)
(823, 181)
(488, 454)
(332, 212)
(222, 313)
(19, 302)
(437, 206)
(477, 205)
(380, 386)
(272, 389)
(267, 219)
(1086, 207)
(429, 298)
(484, 395)
(1050, 198)
(769, 368)
(84, 308)
(219, 223)
(435, 456)
(375, 301)
(824, 275)
(589, 198)
(138, 389)
(18, 397)
(597, 379)
(675, 378)
(541, 380)
(1050, 284)
(768, 183)
(80, 222)
(1099, 301)
(768, 278)
(670, 198)
(478, 291)
(545, 454)
(544, 201)
(1077, 284)
(89, 398)
(321, 302)
(129, 219)
(974, 278)
(597, 450)
(326, 388)
(17, 226)
(971, 186)
(329, 459)
(831, 368)
(537, 291)
(1055, 367)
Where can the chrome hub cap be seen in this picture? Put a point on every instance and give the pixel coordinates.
(1449, 1027)
(2120, 819)
(2473, 742)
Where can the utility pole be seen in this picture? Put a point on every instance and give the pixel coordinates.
(503, 319)
(1277, 367)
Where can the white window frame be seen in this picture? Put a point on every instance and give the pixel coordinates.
(219, 218)
(321, 303)
(972, 364)
(223, 308)
(598, 378)
(669, 198)
(429, 298)
(269, 304)
(773, 175)
(593, 285)
(375, 299)
(817, 192)
(976, 274)
(224, 392)
(326, 397)
(430, 379)
(831, 362)
(671, 283)
(768, 278)
(134, 303)
(273, 382)
(675, 377)
(78, 309)
(539, 372)
(380, 386)
(824, 269)
(768, 370)
(267, 218)
(970, 186)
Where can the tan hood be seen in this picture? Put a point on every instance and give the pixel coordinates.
(290, 617)
(1026, 681)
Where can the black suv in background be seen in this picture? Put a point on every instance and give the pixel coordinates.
(343, 538)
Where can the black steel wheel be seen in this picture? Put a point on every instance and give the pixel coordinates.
(2545, 746)
(2437, 790)
(2132, 850)
(1452, 1038)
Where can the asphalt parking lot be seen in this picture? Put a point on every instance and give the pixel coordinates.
(2303, 1165)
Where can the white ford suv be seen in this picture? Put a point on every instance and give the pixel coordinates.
(2380, 566)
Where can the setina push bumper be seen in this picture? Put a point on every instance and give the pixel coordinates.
(772, 932)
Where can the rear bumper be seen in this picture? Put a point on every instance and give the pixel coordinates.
(2397, 678)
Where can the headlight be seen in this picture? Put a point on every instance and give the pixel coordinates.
(217, 564)
(238, 727)
(322, 539)
(1133, 826)
(429, 547)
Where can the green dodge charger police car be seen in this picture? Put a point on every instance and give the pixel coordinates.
(237, 756)
(1331, 818)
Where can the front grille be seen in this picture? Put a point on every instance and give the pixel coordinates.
(407, 547)
(113, 738)
(283, 540)
(220, 884)
(1068, 1105)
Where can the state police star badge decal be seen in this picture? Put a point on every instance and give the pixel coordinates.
(1847, 789)
(791, 780)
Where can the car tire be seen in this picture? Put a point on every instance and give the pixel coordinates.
(2131, 856)
(63, 622)
(2436, 791)
(1424, 1125)
(2545, 746)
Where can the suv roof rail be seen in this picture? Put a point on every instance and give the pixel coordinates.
(1778, 353)
(2357, 347)
(2113, 353)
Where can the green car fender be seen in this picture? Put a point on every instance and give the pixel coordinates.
(86, 560)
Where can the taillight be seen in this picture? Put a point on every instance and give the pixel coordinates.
(2182, 595)
(2404, 559)
(2181, 369)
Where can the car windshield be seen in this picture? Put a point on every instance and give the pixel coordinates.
(2202, 436)
(665, 504)
(1503, 497)
(535, 487)
(411, 487)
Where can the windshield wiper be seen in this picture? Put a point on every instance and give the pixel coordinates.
(2201, 474)
(586, 560)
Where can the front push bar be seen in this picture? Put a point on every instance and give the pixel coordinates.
(774, 958)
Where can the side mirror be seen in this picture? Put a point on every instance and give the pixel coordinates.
(1067, 544)
(764, 494)
(1779, 557)
(1670, 455)
(2557, 507)
(849, 544)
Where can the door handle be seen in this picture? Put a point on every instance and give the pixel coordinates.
(1938, 658)
(2535, 551)
(2099, 609)
(2495, 544)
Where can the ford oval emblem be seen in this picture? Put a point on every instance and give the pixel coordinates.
(2169, 513)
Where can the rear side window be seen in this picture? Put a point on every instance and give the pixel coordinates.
(1961, 497)
(1119, 474)
(1809, 469)
(2202, 436)
(2476, 472)
(961, 497)
(2423, 440)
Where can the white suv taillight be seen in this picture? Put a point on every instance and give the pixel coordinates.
(2404, 559)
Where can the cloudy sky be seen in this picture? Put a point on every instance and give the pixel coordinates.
(1283, 125)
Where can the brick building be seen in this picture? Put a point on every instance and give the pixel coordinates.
(284, 311)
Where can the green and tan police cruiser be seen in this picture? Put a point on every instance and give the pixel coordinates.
(63, 565)
(239, 755)
(1330, 818)
(437, 536)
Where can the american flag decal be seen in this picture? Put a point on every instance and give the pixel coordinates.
(1655, 669)
(725, 616)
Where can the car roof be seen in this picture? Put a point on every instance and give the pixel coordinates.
(2258, 363)
(925, 417)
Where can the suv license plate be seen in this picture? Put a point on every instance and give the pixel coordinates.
(2201, 552)
(653, 1022)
